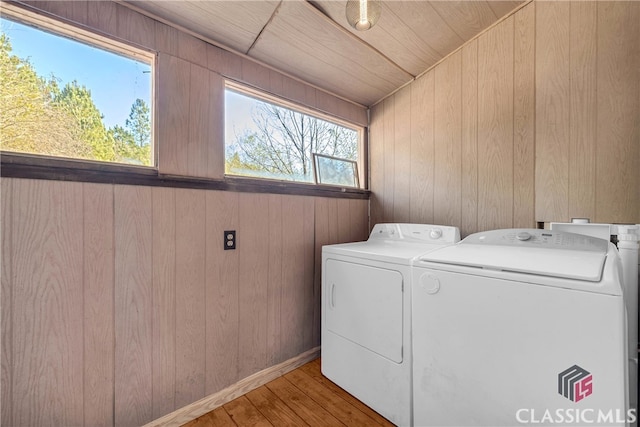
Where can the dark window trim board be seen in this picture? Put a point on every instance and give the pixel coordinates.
(36, 167)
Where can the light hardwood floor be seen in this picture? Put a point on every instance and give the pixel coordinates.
(303, 397)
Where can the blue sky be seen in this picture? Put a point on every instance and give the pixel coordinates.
(238, 109)
(115, 81)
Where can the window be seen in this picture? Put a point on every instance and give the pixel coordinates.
(335, 171)
(267, 138)
(65, 92)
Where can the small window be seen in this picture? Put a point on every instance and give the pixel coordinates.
(335, 171)
(268, 138)
(66, 94)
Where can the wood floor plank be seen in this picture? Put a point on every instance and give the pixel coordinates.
(218, 418)
(302, 404)
(303, 397)
(332, 402)
(313, 370)
(243, 413)
(274, 409)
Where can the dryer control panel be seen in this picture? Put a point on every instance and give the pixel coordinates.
(422, 233)
(539, 238)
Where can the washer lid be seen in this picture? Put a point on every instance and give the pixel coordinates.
(538, 252)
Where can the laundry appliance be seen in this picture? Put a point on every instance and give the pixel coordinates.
(626, 238)
(366, 313)
(518, 327)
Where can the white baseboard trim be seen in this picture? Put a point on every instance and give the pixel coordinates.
(213, 401)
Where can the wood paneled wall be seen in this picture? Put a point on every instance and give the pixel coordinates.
(588, 111)
(537, 119)
(120, 305)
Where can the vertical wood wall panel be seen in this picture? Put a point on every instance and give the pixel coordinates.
(215, 143)
(389, 158)
(198, 143)
(74, 12)
(102, 15)
(343, 226)
(98, 304)
(253, 283)
(6, 281)
(583, 119)
(321, 234)
(222, 318)
(293, 274)
(276, 81)
(47, 297)
(308, 297)
(552, 110)
(255, 74)
(495, 127)
(524, 117)
(230, 65)
(334, 221)
(192, 49)
(134, 27)
(325, 102)
(360, 219)
(618, 100)
(164, 300)
(402, 156)
(133, 305)
(422, 149)
(173, 114)
(469, 138)
(166, 39)
(190, 249)
(448, 137)
(376, 164)
(274, 294)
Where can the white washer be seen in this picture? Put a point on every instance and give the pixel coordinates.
(366, 313)
(518, 327)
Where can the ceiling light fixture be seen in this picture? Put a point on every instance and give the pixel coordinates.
(363, 14)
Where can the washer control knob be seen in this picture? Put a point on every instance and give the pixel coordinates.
(435, 233)
(429, 283)
(523, 236)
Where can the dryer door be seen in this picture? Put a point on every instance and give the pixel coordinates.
(364, 305)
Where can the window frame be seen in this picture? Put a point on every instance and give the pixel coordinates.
(61, 27)
(279, 101)
(317, 175)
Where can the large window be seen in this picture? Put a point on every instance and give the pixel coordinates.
(69, 94)
(267, 139)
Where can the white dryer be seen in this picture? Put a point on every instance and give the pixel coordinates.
(366, 313)
(518, 327)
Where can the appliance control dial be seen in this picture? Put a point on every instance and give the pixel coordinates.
(429, 283)
(523, 236)
(435, 233)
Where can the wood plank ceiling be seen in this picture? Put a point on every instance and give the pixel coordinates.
(312, 40)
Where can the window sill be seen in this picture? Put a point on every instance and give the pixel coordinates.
(14, 165)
